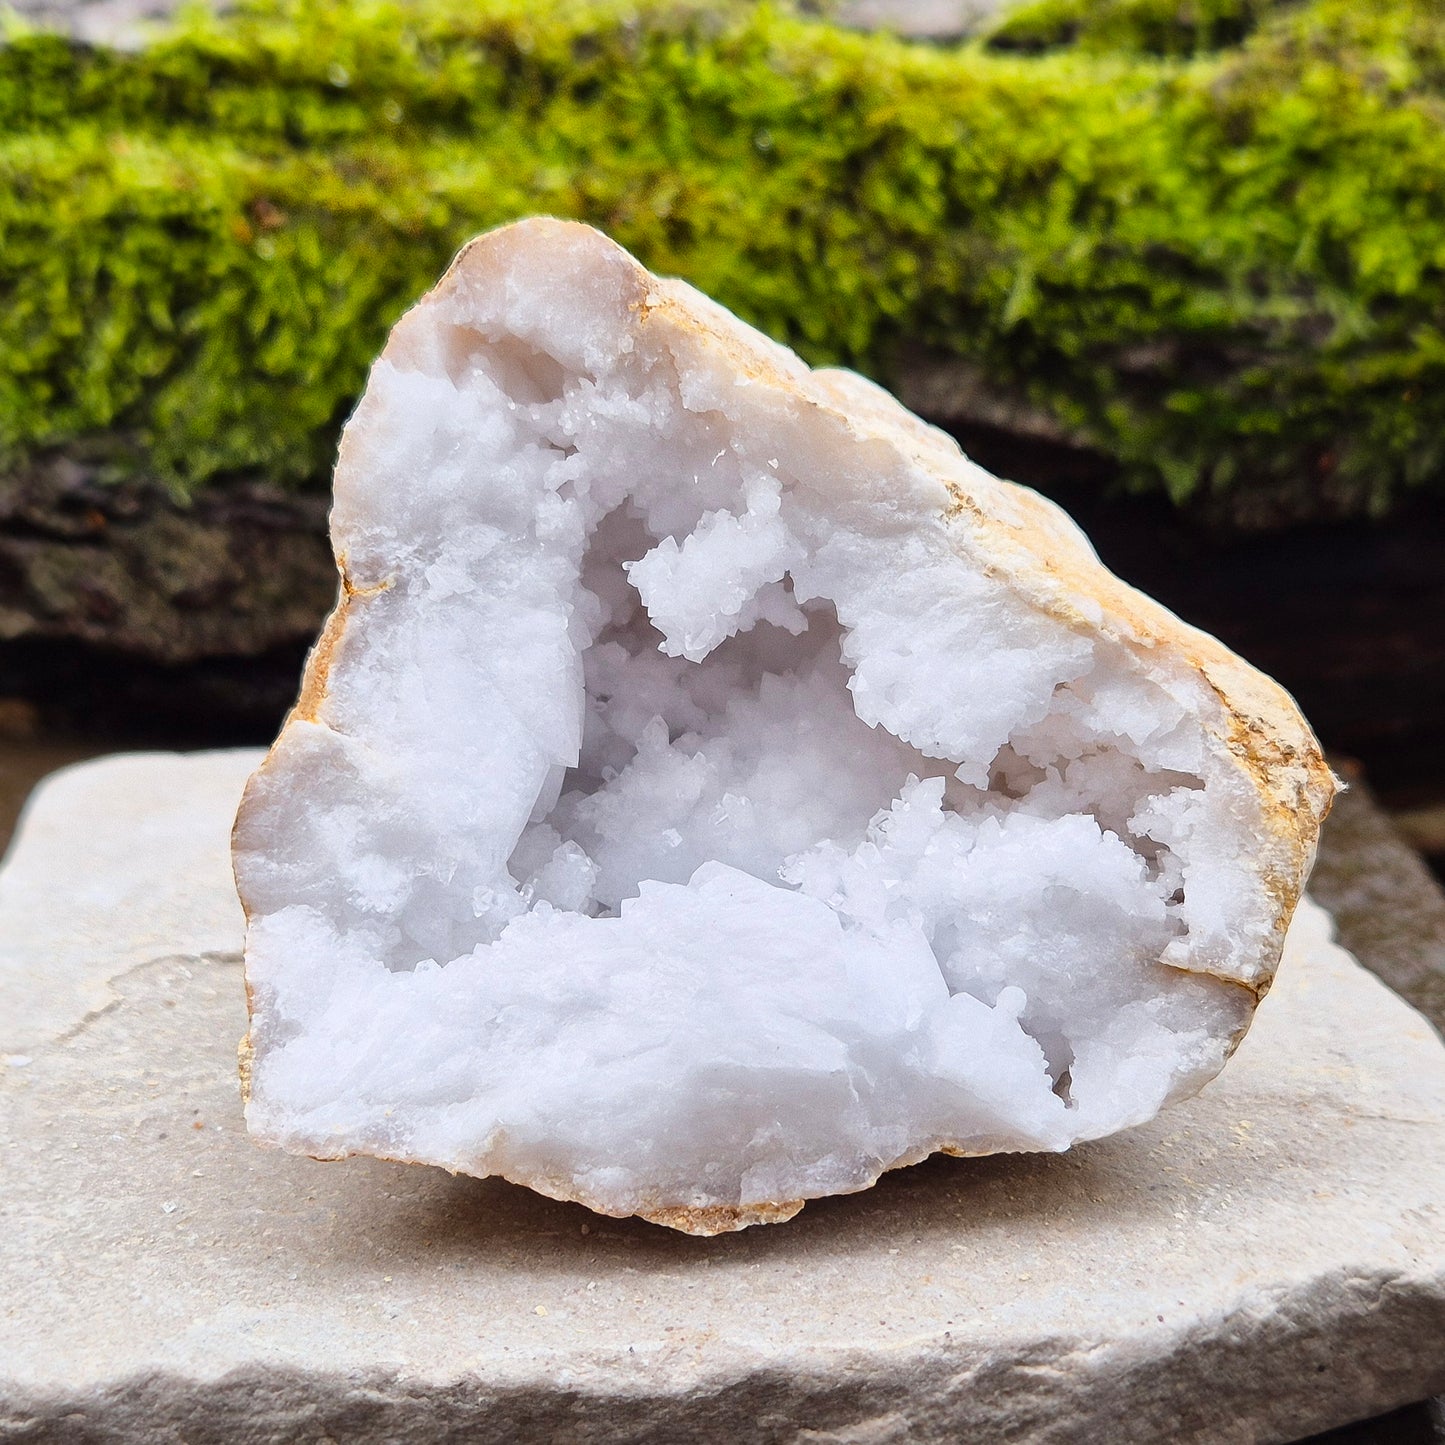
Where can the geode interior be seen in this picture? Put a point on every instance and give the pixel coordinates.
(681, 814)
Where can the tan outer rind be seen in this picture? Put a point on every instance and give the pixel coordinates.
(1013, 533)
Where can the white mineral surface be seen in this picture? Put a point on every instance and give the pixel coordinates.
(685, 822)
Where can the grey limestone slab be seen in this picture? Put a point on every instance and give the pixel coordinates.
(1261, 1262)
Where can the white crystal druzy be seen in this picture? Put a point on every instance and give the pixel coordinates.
(713, 790)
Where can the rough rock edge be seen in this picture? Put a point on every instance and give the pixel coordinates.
(1011, 532)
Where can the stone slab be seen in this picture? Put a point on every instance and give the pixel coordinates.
(1264, 1261)
(114, 866)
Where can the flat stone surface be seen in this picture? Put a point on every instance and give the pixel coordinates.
(1264, 1261)
(115, 865)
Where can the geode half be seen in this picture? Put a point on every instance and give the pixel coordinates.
(712, 789)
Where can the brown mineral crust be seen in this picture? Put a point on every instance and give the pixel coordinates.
(722, 1218)
(1012, 533)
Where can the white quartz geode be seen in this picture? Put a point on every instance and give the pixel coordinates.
(713, 790)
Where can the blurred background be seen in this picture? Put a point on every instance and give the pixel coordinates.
(1177, 263)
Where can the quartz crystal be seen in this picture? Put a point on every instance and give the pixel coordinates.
(712, 789)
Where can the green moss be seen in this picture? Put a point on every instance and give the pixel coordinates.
(1226, 271)
(1144, 27)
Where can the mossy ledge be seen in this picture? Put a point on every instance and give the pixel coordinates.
(1222, 267)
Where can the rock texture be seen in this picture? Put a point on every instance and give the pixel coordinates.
(1266, 1260)
(114, 868)
(122, 567)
